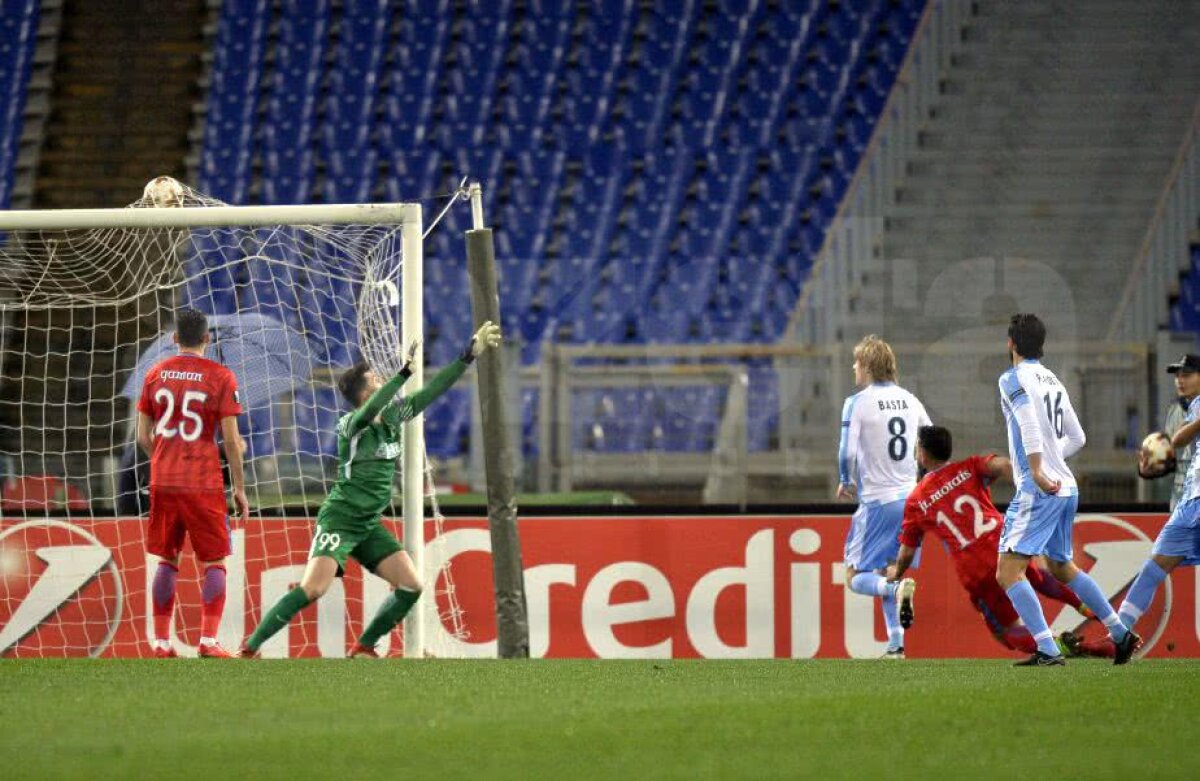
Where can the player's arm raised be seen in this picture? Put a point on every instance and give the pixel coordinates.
(145, 433)
(234, 447)
(487, 337)
(377, 402)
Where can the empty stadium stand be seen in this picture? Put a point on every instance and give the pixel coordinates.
(1185, 314)
(19, 38)
(1033, 183)
(655, 176)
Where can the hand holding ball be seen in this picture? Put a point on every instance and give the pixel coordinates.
(1156, 457)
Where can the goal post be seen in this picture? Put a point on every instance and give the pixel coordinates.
(412, 329)
(294, 294)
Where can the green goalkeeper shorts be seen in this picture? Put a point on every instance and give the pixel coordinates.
(368, 543)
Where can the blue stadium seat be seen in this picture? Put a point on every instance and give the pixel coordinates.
(655, 172)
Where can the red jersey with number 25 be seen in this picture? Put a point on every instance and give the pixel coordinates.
(955, 503)
(187, 396)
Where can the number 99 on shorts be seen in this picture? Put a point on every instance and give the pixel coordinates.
(324, 543)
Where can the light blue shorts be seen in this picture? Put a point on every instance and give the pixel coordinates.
(874, 538)
(1181, 535)
(1040, 524)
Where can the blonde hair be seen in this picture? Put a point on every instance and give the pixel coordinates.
(876, 356)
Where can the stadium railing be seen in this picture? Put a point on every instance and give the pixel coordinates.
(771, 439)
(1164, 252)
(1110, 384)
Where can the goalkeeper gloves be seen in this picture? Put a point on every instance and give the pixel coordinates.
(407, 368)
(487, 337)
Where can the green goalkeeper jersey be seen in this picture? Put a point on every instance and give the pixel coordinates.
(369, 444)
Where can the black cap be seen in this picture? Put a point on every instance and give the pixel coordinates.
(1189, 363)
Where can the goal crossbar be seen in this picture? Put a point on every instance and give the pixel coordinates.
(211, 217)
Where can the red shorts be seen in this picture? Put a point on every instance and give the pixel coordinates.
(995, 606)
(200, 515)
(977, 571)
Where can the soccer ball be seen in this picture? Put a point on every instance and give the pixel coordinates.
(1157, 449)
(163, 192)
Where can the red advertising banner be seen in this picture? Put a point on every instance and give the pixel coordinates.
(608, 587)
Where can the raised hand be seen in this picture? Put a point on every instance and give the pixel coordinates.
(411, 356)
(487, 337)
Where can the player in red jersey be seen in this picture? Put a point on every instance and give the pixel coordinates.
(184, 400)
(953, 500)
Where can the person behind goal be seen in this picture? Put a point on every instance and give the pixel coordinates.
(349, 522)
(876, 466)
(184, 400)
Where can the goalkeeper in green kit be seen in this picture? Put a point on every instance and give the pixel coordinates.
(348, 523)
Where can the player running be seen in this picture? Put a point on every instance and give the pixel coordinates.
(1043, 432)
(876, 465)
(954, 501)
(348, 523)
(1179, 541)
(184, 400)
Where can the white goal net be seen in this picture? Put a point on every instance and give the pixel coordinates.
(294, 296)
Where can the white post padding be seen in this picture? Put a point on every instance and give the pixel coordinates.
(412, 329)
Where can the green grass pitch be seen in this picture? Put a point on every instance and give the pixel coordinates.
(582, 719)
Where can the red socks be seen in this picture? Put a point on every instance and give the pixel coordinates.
(212, 592)
(162, 595)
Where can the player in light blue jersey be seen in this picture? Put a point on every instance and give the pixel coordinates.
(1043, 432)
(1179, 541)
(877, 464)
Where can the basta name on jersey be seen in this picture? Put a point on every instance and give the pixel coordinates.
(388, 450)
(892, 404)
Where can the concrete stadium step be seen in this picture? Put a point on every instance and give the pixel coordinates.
(1049, 169)
(1072, 200)
(123, 92)
(987, 135)
(963, 108)
(1030, 155)
(1018, 217)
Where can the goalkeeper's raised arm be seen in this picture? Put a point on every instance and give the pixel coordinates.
(382, 398)
(487, 337)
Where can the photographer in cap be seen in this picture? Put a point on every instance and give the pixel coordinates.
(1187, 385)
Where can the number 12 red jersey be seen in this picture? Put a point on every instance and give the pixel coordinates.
(187, 396)
(955, 503)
